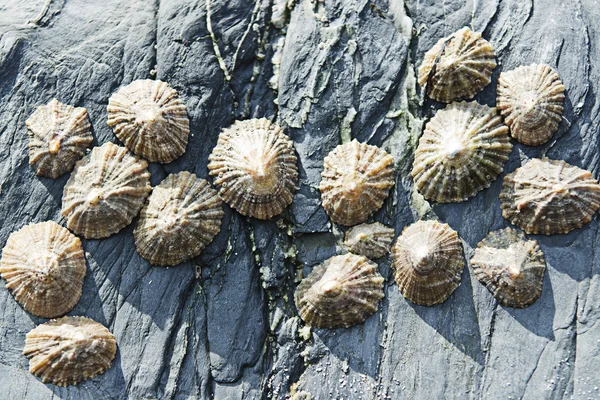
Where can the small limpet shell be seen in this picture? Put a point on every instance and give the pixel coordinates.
(150, 119)
(369, 240)
(355, 181)
(105, 191)
(549, 197)
(69, 350)
(531, 99)
(182, 215)
(343, 291)
(428, 262)
(457, 67)
(59, 134)
(510, 266)
(255, 168)
(44, 265)
(462, 150)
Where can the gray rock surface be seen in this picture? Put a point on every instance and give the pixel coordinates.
(225, 326)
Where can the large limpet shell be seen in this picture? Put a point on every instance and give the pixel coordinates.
(462, 150)
(150, 119)
(44, 265)
(355, 181)
(255, 168)
(105, 192)
(182, 215)
(457, 67)
(343, 291)
(59, 134)
(510, 266)
(549, 197)
(369, 240)
(531, 99)
(428, 262)
(69, 350)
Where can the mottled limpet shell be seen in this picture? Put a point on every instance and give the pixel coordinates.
(355, 181)
(510, 266)
(531, 99)
(428, 262)
(150, 119)
(457, 67)
(69, 350)
(463, 149)
(58, 136)
(44, 265)
(343, 291)
(182, 215)
(549, 197)
(255, 168)
(105, 192)
(369, 240)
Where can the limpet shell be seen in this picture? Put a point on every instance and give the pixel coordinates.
(59, 134)
(457, 67)
(428, 262)
(355, 181)
(463, 149)
(151, 120)
(343, 291)
(44, 265)
(105, 192)
(510, 266)
(531, 98)
(369, 240)
(255, 168)
(69, 350)
(549, 197)
(182, 215)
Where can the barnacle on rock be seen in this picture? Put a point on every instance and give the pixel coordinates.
(549, 197)
(463, 149)
(369, 240)
(44, 265)
(58, 136)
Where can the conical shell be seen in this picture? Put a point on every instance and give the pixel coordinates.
(105, 192)
(355, 181)
(255, 168)
(428, 262)
(549, 197)
(150, 119)
(44, 266)
(531, 99)
(69, 350)
(58, 136)
(457, 67)
(462, 151)
(369, 240)
(182, 215)
(510, 266)
(343, 291)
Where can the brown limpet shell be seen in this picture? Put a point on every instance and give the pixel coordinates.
(151, 120)
(510, 266)
(255, 168)
(69, 350)
(428, 262)
(531, 98)
(355, 181)
(457, 67)
(105, 192)
(43, 265)
(182, 215)
(343, 291)
(369, 240)
(59, 134)
(549, 197)
(463, 150)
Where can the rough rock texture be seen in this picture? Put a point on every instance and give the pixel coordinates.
(327, 71)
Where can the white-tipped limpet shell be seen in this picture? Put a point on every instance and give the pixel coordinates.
(369, 240)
